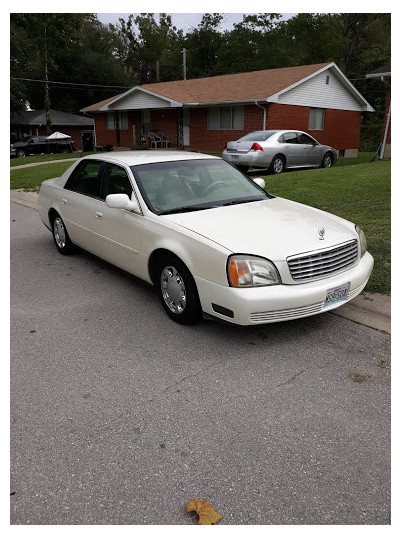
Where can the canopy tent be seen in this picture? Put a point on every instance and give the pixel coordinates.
(58, 136)
(60, 143)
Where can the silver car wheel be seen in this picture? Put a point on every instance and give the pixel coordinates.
(173, 290)
(59, 233)
(278, 165)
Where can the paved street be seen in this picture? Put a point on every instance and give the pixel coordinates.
(120, 416)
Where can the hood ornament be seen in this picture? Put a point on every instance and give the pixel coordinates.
(321, 233)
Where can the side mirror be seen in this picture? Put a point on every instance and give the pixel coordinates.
(260, 182)
(122, 201)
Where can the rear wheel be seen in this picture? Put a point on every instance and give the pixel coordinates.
(60, 236)
(177, 291)
(277, 165)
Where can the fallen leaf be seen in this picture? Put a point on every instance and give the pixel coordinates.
(359, 378)
(207, 514)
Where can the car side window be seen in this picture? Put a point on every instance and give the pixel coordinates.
(290, 138)
(115, 181)
(85, 179)
(305, 139)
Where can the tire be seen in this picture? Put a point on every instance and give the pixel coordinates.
(21, 153)
(277, 165)
(177, 291)
(60, 236)
(327, 161)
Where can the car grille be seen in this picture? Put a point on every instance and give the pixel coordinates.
(323, 263)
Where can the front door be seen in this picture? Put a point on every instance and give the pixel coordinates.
(118, 232)
(186, 126)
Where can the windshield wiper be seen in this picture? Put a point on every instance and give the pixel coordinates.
(186, 209)
(245, 201)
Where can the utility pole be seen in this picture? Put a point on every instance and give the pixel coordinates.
(46, 76)
(184, 63)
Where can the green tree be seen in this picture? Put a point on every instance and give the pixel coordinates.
(79, 49)
(153, 49)
(204, 45)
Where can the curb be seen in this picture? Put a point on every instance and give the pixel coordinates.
(369, 309)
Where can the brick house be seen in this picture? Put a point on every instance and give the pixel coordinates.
(203, 114)
(33, 122)
(384, 73)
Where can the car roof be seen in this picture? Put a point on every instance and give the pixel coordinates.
(132, 158)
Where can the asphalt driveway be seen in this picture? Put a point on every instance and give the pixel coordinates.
(120, 417)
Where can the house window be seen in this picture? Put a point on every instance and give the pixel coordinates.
(225, 117)
(145, 121)
(316, 119)
(119, 118)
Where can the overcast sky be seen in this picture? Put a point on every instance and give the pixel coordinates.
(183, 21)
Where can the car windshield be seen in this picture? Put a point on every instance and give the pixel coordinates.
(257, 136)
(192, 185)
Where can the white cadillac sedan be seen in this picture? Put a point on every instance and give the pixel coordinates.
(211, 240)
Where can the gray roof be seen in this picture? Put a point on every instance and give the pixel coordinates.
(38, 117)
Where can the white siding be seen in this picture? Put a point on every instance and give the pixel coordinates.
(139, 100)
(316, 93)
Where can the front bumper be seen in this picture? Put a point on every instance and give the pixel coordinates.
(270, 304)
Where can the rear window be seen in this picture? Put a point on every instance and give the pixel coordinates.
(258, 136)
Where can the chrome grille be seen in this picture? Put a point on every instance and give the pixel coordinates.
(323, 263)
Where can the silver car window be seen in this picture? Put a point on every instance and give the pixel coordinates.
(290, 138)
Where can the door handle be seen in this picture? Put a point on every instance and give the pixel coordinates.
(64, 200)
(99, 215)
(286, 146)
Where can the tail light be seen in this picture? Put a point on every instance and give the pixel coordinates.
(256, 147)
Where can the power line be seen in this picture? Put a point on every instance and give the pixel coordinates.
(71, 83)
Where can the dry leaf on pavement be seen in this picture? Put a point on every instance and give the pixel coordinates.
(207, 514)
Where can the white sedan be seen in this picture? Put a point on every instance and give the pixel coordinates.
(210, 239)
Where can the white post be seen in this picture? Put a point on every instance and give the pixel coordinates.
(382, 153)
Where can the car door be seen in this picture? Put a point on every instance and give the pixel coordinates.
(291, 149)
(311, 151)
(77, 204)
(118, 232)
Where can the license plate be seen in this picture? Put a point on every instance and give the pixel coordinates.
(335, 295)
(234, 157)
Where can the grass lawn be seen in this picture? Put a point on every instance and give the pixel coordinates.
(45, 158)
(355, 189)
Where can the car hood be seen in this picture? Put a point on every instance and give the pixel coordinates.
(274, 228)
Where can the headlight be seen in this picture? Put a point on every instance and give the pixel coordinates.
(363, 241)
(251, 271)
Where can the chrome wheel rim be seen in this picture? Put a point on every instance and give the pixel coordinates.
(278, 166)
(59, 233)
(327, 161)
(173, 290)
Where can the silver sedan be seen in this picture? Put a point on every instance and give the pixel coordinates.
(278, 150)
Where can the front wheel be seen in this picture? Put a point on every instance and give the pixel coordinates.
(177, 291)
(277, 165)
(20, 153)
(327, 161)
(61, 237)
